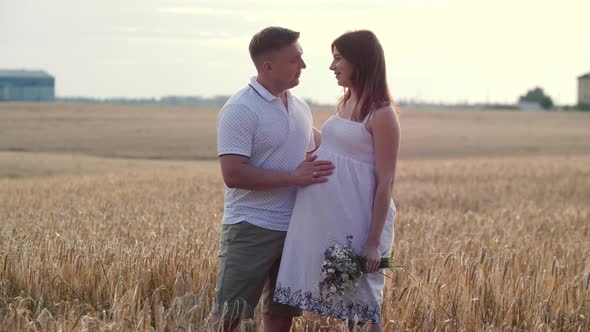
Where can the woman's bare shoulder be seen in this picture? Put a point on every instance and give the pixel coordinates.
(385, 113)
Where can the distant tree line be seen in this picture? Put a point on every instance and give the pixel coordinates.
(216, 101)
(535, 95)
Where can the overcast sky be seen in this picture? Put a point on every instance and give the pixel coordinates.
(436, 50)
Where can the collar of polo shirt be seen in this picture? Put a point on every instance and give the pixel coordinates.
(263, 92)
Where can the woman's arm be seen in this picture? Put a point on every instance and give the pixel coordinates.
(384, 127)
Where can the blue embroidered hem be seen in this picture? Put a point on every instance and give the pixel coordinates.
(337, 309)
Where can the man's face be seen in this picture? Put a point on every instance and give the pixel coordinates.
(286, 65)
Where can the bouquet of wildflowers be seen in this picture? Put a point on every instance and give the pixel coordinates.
(342, 269)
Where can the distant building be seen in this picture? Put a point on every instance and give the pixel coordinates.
(26, 85)
(584, 91)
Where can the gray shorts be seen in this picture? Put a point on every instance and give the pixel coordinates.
(248, 268)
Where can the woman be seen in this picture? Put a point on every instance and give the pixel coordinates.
(362, 140)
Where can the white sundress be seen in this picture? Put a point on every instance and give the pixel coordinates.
(328, 212)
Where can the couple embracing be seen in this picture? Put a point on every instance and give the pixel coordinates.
(292, 191)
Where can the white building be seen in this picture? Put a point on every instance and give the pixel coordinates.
(529, 106)
(26, 85)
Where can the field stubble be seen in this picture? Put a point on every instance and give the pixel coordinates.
(490, 239)
(485, 243)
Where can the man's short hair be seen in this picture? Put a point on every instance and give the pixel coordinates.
(271, 39)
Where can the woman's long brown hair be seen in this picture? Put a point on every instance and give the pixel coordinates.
(362, 49)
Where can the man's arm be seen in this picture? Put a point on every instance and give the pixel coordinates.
(239, 173)
(235, 131)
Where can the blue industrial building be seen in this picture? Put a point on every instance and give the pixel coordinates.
(26, 85)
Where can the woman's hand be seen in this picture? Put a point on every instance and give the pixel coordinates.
(371, 251)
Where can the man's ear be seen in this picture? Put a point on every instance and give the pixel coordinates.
(267, 66)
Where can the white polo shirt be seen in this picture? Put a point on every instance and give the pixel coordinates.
(255, 124)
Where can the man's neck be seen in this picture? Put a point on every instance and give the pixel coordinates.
(271, 88)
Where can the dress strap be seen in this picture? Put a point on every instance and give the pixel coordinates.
(337, 111)
(367, 118)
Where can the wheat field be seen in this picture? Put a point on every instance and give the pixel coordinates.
(110, 221)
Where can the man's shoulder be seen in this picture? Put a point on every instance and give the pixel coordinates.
(238, 100)
(238, 97)
(243, 99)
(301, 105)
(299, 102)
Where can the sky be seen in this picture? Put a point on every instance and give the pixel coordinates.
(436, 50)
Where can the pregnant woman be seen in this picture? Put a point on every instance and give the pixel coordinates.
(362, 140)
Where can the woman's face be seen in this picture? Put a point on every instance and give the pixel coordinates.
(342, 69)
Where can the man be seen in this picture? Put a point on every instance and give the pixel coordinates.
(264, 133)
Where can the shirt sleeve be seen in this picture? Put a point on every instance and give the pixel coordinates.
(236, 125)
